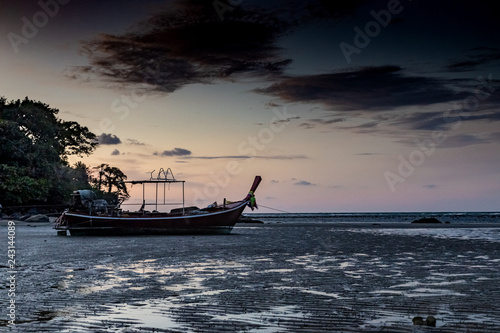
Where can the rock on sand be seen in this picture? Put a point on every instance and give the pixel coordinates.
(427, 220)
(38, 218)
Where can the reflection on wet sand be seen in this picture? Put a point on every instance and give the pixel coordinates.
(261, 279)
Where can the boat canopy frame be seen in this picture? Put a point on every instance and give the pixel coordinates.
(163, 177)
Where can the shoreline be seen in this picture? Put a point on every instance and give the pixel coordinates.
(374, 224)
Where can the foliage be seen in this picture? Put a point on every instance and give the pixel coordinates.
(17, 188)
(110, 182)
(34, 150)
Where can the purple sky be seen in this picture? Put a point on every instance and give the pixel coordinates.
(339, 105)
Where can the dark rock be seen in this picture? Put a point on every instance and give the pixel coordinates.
(427, 220)
(15, 216)
(32, 211)
(38, 218)
(430, 321)
(245, 219)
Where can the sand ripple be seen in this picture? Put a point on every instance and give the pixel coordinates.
(270, 278)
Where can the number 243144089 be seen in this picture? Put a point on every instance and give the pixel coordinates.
(11, 250)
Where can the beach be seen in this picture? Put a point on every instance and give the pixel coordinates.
(272, 277)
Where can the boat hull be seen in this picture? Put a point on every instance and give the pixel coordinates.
(219, 222)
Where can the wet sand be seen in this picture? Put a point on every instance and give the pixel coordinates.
(261, 278)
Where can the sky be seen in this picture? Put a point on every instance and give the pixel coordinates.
(340, 106)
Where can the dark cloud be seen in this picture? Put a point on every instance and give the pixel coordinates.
(191, 43)
(284, 121)
(274, 105)
(478, 58)
(369, 88)
(450, 140)
(307, 125)
(108, 139)
(135, 142)
(175, 152)
(304, 183)
(219, 157)
(273, 157)
(283, 157)
(462, 140)
(383, 100)
(441, 120)
(426, 121)
(328, 121)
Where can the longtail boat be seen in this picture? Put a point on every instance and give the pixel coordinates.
(89, 216)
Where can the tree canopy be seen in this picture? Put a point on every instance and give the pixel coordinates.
(34, 150)
(111, 179)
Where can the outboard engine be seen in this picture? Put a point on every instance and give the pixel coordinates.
(100, 206)
(86, 200)
(83, 199)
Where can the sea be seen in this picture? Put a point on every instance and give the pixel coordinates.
(395, 217)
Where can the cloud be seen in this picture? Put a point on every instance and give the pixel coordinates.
(189, 43)
(135, 142)
(285, 121)
(274, 105)
(307, 126)
(304, 183)
(108, 139)
(428, 121)
(369, 88)
(462, 140)
(430, 186)
(272, 157)
(386, 100)
(115, 152)
(453, 141)
(218, 157)
(175, 152)
(479, 57)
(283, 157)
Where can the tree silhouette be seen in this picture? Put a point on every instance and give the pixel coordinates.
(110, 181)
(34, 150)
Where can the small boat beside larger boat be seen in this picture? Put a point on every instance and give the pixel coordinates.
(89, 216)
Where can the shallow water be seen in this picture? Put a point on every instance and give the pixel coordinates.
(311, 277)
(488, 234)
(452, 217)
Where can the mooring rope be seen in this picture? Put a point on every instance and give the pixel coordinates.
(278, 210)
